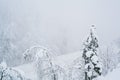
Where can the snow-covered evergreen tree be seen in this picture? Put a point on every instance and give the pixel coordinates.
(90, 51)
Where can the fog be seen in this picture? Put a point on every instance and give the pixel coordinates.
(61, 25)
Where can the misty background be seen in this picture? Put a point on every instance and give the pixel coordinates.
(61, 25)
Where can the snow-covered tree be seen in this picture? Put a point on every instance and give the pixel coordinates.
(110, 57)
(45, 67)
(90, 51)
(7, 73)
(8, 47)
(76, 72)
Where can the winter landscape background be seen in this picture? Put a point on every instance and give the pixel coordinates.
(60, 26)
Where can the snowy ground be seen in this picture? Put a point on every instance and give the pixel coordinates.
(29, 70)
(63, 61)
(66, 61)
(114, 75)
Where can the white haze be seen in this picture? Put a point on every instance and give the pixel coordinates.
(59, 24)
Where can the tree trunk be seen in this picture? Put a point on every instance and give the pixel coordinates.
(85, 75)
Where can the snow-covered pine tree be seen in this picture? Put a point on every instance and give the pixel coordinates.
(92, 63)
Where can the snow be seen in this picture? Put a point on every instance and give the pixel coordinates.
(89, 53)
(64, 61)
(8, 73)
(3, 64)
(29, 70)
(89, 73)
(94, 59)
(89, 64)
(114, 75)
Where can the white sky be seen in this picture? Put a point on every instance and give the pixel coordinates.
(53, 18)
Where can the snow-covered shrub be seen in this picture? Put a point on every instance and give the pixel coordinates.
(76, 71)
(45, 68)
(109, 57)
(53, 73)
(35, 52)
(7, 73)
